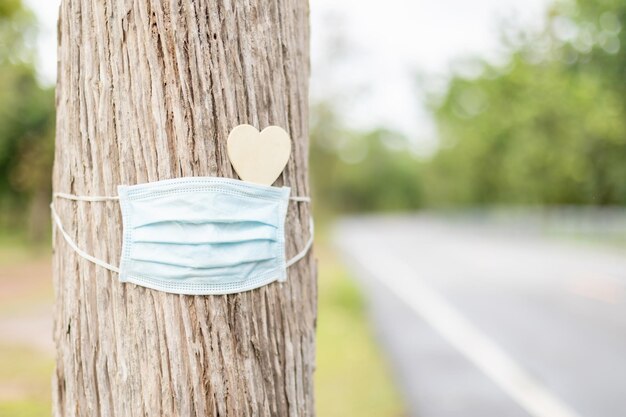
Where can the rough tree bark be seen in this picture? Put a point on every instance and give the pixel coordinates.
(149, 90)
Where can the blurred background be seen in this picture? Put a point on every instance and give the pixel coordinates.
(468, 164)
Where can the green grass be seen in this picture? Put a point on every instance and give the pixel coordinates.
(352, 377)
(24, 382)
(26, 408)
(15, 248)
(25, 373)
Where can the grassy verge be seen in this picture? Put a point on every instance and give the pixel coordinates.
(25, 286)
(24, 382)
(15, 249)
(352, 378)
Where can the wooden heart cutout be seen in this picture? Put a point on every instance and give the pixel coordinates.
(258, 157)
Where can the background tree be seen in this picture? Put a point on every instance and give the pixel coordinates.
(357, 171)
(148, 91)
(26, 127)
(547, 128)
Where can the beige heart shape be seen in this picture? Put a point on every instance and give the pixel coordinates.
(258, 157)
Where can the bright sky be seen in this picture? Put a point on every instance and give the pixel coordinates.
(384, 46)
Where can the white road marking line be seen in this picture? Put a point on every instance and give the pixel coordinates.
(400, 278)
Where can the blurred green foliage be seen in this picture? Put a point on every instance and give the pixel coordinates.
(356, 171)
(26, 126)
(548, 127)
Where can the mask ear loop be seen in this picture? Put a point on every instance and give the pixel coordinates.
(301, 199)
(309, 242)
(75, 197)
(73, 244)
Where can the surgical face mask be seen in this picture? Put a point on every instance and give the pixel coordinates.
(199, 235)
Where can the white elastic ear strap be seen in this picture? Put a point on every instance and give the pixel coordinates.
(306, 248)
(110, 267)
(309, 242)
(85, 198)
(78, 250)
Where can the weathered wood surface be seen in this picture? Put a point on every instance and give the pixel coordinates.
(149, 90)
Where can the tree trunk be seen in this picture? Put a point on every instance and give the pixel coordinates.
(149, 90)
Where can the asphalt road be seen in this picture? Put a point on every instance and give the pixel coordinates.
(484, 322)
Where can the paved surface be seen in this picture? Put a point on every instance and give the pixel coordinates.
(479, 322)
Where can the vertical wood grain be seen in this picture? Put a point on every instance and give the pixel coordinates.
(148, 90)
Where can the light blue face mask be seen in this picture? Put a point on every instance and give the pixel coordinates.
(199, 235)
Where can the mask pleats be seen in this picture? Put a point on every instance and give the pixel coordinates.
(193, 208)
(184, 235)
(236, 273)
(184, 232)
(204, 256)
